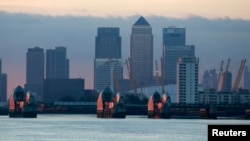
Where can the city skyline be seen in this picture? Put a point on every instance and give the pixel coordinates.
(216, 38)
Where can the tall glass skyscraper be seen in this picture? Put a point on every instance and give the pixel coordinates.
(57, 64)
(141, 52)
(35, 71)
(174, 47)
(107, 58)
(108, 43)
(174, 36)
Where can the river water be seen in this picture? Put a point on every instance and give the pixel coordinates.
(80, 127)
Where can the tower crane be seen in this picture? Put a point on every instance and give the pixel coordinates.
(239, 75)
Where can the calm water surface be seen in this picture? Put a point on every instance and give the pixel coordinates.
(63, 127)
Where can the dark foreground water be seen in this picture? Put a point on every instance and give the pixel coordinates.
(63, 127)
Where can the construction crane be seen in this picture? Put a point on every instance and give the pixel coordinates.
(131, 77)
(224, 76)
(238, 76)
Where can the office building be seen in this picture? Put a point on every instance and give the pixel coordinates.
(141, 52)
(174, 36)
(57, 64)
(107, 58)
(107, 73)
(3, 84)
(171, 54)
(209, 79)
(187, 80)
(108, 43)
(0, 66)
(35, 71)
(174, 47)
(227, 82)
(3, 87)
(246, 78)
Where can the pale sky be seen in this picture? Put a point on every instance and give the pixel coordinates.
(235, 9)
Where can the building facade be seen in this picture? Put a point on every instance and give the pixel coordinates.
(170, 58)
(57, 64)
(107, 73)
(212, 96)
(187, 80)
(209, 79)
(3, 87)
(3, 84)
(63, 90)
(174, 47)
(35, 71)
(107, 58)
(141, 52)
(108, 43)
(174, 36)
(246, 78)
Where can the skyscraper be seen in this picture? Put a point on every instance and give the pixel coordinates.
(0, 66)
(174, 47)
(187, 80)
(171, 55)
(3, 87)
(108, 43)
(209, 79)
(107, 57)
(3, 84)
(35, 71)
(141, 52)
(174, 36)
(57, 64)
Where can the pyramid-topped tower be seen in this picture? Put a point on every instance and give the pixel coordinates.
(141, 22)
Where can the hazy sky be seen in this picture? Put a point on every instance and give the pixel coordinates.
(218, 29)
(169, 8)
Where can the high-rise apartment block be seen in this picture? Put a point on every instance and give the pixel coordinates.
(107, 57)
(187, 80)
(141, 52)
